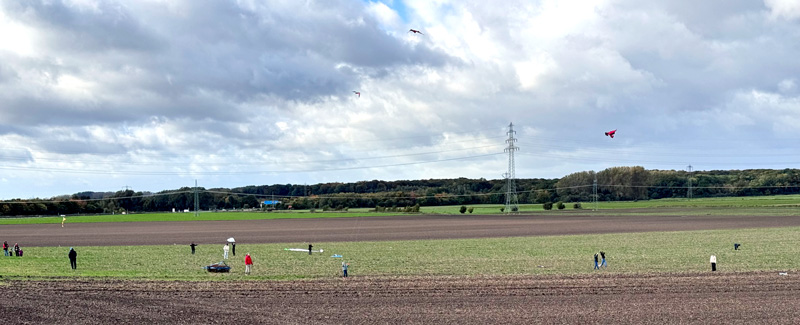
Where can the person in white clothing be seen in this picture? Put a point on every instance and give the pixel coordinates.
(225, 250)
(713, 263)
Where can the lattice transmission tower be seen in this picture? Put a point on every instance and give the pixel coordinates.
(689, 180)
(196, 200)
(594, 192)
(512, 204)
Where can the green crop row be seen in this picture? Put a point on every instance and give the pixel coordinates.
(763, 249)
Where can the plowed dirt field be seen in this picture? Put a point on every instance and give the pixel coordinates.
(746, 298)
(411, 227)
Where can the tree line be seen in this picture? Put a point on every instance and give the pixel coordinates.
(613, 184)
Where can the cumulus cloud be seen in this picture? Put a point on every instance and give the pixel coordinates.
(97, 95)
(788, 9)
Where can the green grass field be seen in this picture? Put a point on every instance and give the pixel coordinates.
(764, 249)
(755, 205)
(775, 204)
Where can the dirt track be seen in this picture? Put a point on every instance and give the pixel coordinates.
(752, 298)
(414, 227)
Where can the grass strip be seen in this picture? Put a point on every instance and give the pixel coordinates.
(763, 249)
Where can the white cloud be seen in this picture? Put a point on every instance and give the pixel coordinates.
(386, 16)
(16, 37)
(159, 93)
(787, 85)
(789, 9)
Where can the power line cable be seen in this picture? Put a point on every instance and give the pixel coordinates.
(107, 172)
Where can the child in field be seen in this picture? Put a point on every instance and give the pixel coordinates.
(596, 267)
(248, 263)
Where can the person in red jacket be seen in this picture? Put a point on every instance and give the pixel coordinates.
(5, 247)
(248, 263)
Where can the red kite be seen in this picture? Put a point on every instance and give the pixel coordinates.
(357, 93)
(611, 133)
(415, 31)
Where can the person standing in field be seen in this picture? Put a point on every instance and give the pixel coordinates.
(63, 219)
(345, 266)
(713, 263)
(596, 267)
(603, 257)
(233, 248)
(16, 249)
(225, 250)
(248, 263)
(73, 258)
(5, 247)
(192, 246)
(309, 249)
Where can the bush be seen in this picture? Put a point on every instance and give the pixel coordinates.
(547, 205)
(463, 209)
(561, 205)
(576, 206)
(470, 210)
(514, 208)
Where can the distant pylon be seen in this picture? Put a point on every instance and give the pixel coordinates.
(689, 180)
(594, 192)
(512, 204)
(196, 200)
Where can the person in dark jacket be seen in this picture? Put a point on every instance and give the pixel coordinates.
(596, 267)
(233, 248)
(192, 246)
(309, 249)
(603, 259)
(73, 258)
(16, 249)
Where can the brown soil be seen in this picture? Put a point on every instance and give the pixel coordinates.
(413, 227)
(725, 298)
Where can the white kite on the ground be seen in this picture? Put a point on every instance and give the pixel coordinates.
(302, 250)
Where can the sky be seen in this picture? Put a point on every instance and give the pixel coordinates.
(152, 95)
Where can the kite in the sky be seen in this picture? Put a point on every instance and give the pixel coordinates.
(611, 133)
(357, 93)
(415, 31)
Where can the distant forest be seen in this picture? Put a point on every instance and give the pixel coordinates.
(613, 184)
